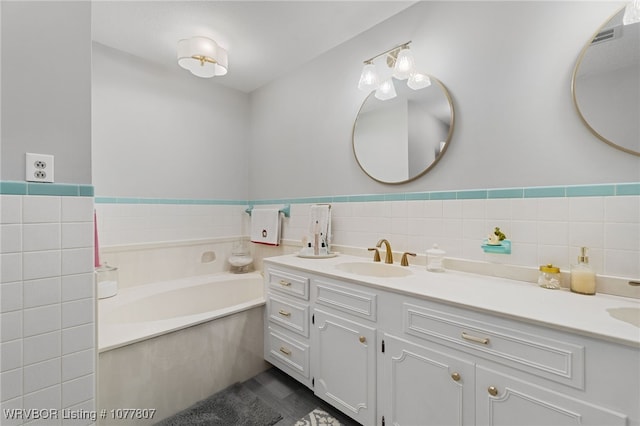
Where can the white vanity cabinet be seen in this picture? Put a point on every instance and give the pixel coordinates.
(461, 367)
(385, 356)
(287, 322)
(423, 386)
(344, 348)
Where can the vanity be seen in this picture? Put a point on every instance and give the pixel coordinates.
(393, 345)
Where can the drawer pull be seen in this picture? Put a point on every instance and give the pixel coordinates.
(285, 351)
(455, 376)
(284, 313)
(362, 339)
(483, 340)
(285, 283)
(493, 391)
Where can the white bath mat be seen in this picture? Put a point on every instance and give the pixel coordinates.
(317, 417)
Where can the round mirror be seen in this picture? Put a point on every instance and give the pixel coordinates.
(606, 84)
(400, 139)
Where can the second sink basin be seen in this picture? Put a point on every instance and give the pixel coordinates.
(371, 269)
(629, 315)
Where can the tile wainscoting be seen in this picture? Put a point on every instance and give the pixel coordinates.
(545, 224)
(47, 319)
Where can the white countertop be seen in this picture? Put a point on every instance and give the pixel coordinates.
(560, 309)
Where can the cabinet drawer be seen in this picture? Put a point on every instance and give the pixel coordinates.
(555, 360)
(345, 299)
(288, 353)
(290, 315)
(288, 283)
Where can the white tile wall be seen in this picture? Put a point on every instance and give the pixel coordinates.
(542, 230)
(144, 223)
(47, 311)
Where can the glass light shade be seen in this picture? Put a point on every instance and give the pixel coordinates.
(404, 66)
(369, 79)
(386, 90)
(202, 56)
(418, 81)
(631, 13)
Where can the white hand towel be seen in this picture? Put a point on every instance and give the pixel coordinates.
(265, 226)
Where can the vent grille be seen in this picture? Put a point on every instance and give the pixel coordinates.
(606, 35)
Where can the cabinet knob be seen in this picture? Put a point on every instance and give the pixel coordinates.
(455, 376)
(362, 339)
(493, 391)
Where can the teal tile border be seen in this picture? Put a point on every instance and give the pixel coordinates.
(175, 201)
(628, 189)
(545, 192)
(72, 190)
(591, 190)
(506, 193)
(55, 189)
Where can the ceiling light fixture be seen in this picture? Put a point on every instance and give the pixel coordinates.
(202, 56)
(401, 61)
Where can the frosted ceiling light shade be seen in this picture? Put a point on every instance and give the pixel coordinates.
(418, 81)
(202, 57)
(369, 79)
(404, 64)
(631, 13)
(386, 90)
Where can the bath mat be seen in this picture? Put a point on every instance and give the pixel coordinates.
(316, 418)
(233, 406)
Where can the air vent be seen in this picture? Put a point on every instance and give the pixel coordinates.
(606, 35)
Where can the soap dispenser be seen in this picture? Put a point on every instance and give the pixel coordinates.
(583, 279)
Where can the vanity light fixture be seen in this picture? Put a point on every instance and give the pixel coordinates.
(202, 56)
(386, 90)
(401, 61)
(631, 13)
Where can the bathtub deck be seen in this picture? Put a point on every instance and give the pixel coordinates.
(290, 398)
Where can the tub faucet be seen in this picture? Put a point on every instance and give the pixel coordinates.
(388, 258)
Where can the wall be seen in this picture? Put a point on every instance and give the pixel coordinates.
(46, 74)
(167, 133)
(508, 67)
(47, 336)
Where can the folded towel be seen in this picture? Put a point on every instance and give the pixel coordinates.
(265, 226)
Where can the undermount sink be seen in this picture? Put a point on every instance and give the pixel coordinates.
(381, 270)
(628, 315)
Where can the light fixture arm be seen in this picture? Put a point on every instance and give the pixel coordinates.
(395, 48)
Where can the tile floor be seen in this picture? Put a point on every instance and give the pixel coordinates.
(290, 398)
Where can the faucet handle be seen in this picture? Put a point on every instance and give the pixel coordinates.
(404, 261)
(376, 256)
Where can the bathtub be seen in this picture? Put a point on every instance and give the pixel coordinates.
(164, 346)
(145, 311)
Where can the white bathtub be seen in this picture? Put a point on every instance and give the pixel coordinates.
(166, 345)
(142, 312)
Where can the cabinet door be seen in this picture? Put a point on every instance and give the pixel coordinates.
(422, 386)
(502, 399)
(344, 365)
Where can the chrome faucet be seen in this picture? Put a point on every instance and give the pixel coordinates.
(388, 258)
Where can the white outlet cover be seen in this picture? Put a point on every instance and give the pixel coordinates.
(39, 168)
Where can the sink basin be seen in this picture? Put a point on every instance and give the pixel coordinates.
(629, 315)
(371, 269)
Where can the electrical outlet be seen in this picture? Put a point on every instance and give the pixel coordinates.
(39, 167)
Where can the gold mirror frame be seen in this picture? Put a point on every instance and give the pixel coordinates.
(435, 83)
(583, 52)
